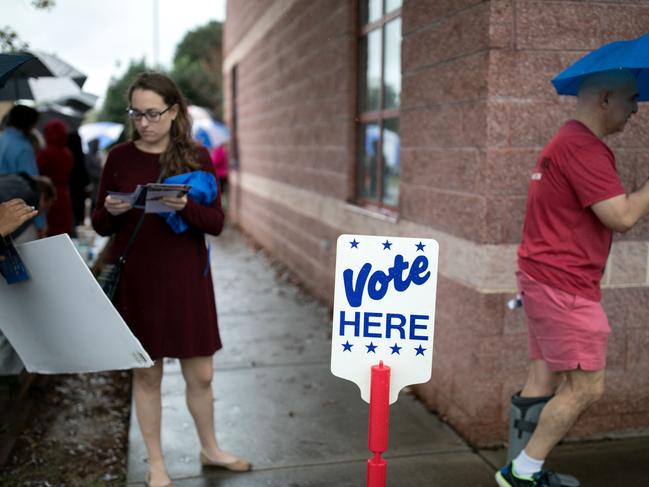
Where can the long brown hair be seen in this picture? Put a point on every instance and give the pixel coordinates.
(180, 155)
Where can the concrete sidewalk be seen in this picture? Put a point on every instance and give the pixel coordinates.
(277, 404)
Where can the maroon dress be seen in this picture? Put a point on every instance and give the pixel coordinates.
(165, 293)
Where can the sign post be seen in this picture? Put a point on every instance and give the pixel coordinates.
(377, 437)
(383, 324)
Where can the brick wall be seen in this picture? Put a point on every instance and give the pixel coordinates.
(477, 106)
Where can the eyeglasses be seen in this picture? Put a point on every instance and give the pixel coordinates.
(151, 115)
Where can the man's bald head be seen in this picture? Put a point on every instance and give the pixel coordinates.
(606, 100)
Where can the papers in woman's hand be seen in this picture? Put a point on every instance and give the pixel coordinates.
(149, 196)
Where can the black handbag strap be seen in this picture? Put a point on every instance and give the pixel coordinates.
(122, 258)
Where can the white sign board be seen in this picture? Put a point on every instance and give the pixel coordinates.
(60, 320)
(384, 309)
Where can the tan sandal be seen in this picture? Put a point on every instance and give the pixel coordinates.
(147, 482)
(239, 465)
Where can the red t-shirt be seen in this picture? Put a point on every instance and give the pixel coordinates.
(564, 244)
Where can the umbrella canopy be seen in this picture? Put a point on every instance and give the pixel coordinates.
(20, 83)
(81, 101)
(206, 130)
(61, 68)
(18, 65)
(632, 54)
(210, 133)
(106, 132)
(51, 88)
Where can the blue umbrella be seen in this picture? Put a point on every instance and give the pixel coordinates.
(106, 133)
(632, 55)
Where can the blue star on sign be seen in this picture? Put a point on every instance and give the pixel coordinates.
(387, 245)
(420, 350)
(354, 244)
(396, 349)
(420, 246)
(347, 347)
(371, 348)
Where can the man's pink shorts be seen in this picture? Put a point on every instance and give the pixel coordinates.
(566, 331)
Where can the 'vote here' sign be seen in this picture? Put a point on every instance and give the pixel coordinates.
(384, 309)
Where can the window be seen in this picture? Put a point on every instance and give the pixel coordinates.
(379, 93)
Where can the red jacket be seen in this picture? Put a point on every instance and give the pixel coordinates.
(55, 161)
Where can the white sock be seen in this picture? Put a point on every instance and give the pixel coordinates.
(525, 466)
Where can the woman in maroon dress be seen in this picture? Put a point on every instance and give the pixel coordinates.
(165, 293)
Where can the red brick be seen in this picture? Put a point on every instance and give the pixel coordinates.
(637, 344)
(635, 134)
(418, 15)
(623, 21)
(459, 214)
(504, 219)
(628, 264)
(462, 79)
(467, 32)
(617, 349)
(506, 172)
(524, 73)
(625, 307)
(470, 312)
(458, 125)
(450, 169)
(532, 124)
(556, 25)
(502, 24)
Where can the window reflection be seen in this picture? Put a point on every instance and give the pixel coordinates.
(371, 11)
(391, 161)
(368, 167)
(371, 67)
(391, 5)
(392, 73)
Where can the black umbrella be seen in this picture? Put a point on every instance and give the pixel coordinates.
(39, 65)
(14, 66)
(61, 68)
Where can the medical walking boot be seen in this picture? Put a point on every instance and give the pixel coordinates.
(523, 418)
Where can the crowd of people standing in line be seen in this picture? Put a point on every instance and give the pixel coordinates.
(55, 163)
(168, 321)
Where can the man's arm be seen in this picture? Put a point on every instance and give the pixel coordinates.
(622, 212)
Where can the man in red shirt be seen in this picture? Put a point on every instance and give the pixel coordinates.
(575, 202)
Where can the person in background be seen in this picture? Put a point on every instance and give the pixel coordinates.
(55, 161)
(16, 149)
(79, 179)
(94, 166)
(17, 154)
(169, 319)
(220, 163)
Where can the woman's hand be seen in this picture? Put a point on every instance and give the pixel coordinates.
(14, 213)
(176, 204)
(116, 207)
